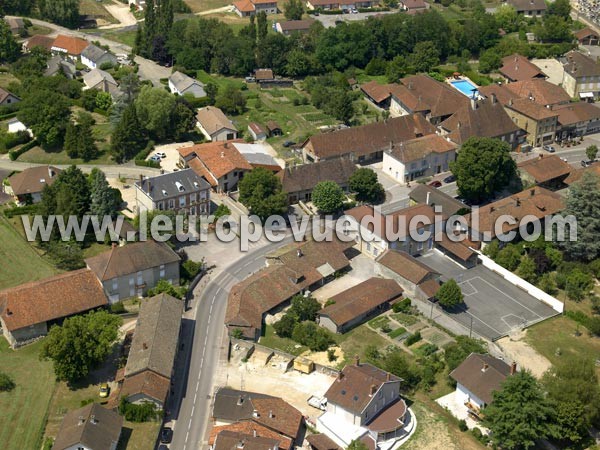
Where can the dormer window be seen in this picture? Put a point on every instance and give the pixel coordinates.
(179, 186)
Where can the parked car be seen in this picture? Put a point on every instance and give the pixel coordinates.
(585, 163)
(549, 148)
(435, 184)
(450, 179)
(155, 158)
(166, 435)
(354, 11)
(163, 155)
(104, 390)
(287, 144)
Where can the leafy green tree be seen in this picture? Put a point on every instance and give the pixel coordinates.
(128, 138)
(396, 363)
(88, 99)
(527, 269)
(579, 284)
(507, 18)
(304, 308)
(366, 185)
(61, 12)
(293, 10)
(6, 382)
(164, 287)
(212, 90)
(376, 66)
(183, 119)
(547, 284)
(573, 389)
(260, 191)
(591, 152)
(449, 294)
(16, 7)
(316, 338)
(154, 108)
(457, 352)
(68, 195)
(483, 166)
(583, 202)
(489, 60)
(46, 112)
(80, 344)
(66, 255)
(231, 101)
(105, 200)
(509, 257)
(561, 8)
(284, 327)
(425, 56)
(9, 47)
(397, 68)
(520, 413)
(262, 26)
(103, 101)
(328, 196)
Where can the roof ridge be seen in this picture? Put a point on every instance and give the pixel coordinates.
(110, 255)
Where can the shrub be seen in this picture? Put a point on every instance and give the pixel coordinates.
(413, 338)
(117, 308)
(450, 294)
(138, 413)
(462, 425)
(237, 333)
(189, 269)
(10, 140)
(6, 383)
(313, 336)
(427, 350)
(401, 306)
(386, 328)
(14, 154)
(331, 356)
(48, 444)
(397, 332)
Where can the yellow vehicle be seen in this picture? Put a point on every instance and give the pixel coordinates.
(104, 390)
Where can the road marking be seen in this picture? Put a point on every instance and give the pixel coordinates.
(507, 296)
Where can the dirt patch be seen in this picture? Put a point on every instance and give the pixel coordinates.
(516, 349)
(322, 357)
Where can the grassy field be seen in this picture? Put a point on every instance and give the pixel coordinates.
(38, 155)
(205, 5)
(356, 341)
(270, 339)
(7, 78)
(20, 262)
(23, 410)
(559, 334)
(125, 37)
(96, 8)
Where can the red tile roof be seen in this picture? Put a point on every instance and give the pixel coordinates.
(517, 67)
(244, 6)
(148, 383)
(72, 45)
(33, 180)
(540, 91)
(574, 113)
(360, 300)
(51, 298)
(545, 168)
(421, 147)
(377, 92)
(39, 40)
(406, 266)
(531, 109)
(251, 428)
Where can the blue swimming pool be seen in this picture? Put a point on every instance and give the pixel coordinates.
(466, 87)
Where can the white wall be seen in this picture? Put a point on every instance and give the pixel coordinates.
(464, 395)
(521, 283)
(394, 168)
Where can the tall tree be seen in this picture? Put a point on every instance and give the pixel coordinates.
(293, 10)
(262, 26)
(68, 195)
(154, 108)
(128, 138)
(260, 191)
(366, 185)
(328, 197)
(79, 140)
(573, 388)
(9, 47)
(520, 414)
(449, 294)
(105, 200)
(591, 152)
(483, 166)
(583, 202)
(61, 12)
(46, 112)
(80, 344)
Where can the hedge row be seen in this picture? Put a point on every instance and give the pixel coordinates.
(11, 140)
(27, 210)
(14, 154)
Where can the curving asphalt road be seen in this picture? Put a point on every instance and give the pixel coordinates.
(191, 411)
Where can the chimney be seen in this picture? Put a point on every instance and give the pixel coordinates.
(271, 414)
(410, 85)
(492, 209)
(340, 376)
(8, 312)
(532, 192)
(510, 102)
(388, 376)
(357, 360)
(145, 346)
(299, 253)
(226, 145)
(485, 367)
(254, 432)
(141, 181)
(81, 420)
(473, 103)
(93, 419)
(50, 172)
(240, 400)
(114, 245)
(222, 154)
(517, 202)
(373, 389)
(494, 99)
(513, 368)
(427, 199)
(240, 444)
(458, 125)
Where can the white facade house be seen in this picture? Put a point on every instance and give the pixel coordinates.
(181, 84)
(15, 125)
(94, 57)
(215, 125)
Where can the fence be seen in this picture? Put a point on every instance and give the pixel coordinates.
(522, 284)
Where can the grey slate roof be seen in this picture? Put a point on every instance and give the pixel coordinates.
(101, 433)
(93, 52)
(481, 375)
(422, 193)
(58, 63)
(161, 184)
(156, 335)
(233, 405)
(183, 82)
(95, 76)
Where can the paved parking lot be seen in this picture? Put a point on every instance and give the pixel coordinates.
(329, 20)
(493, 306)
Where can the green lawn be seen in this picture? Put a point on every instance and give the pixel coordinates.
(126, 37)
(38, 155)
(397, 332)
(271, 340)
(96, 8)
(20, 262)
(23, 410)
(559, 334)
(7, 78)
(356, 341)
